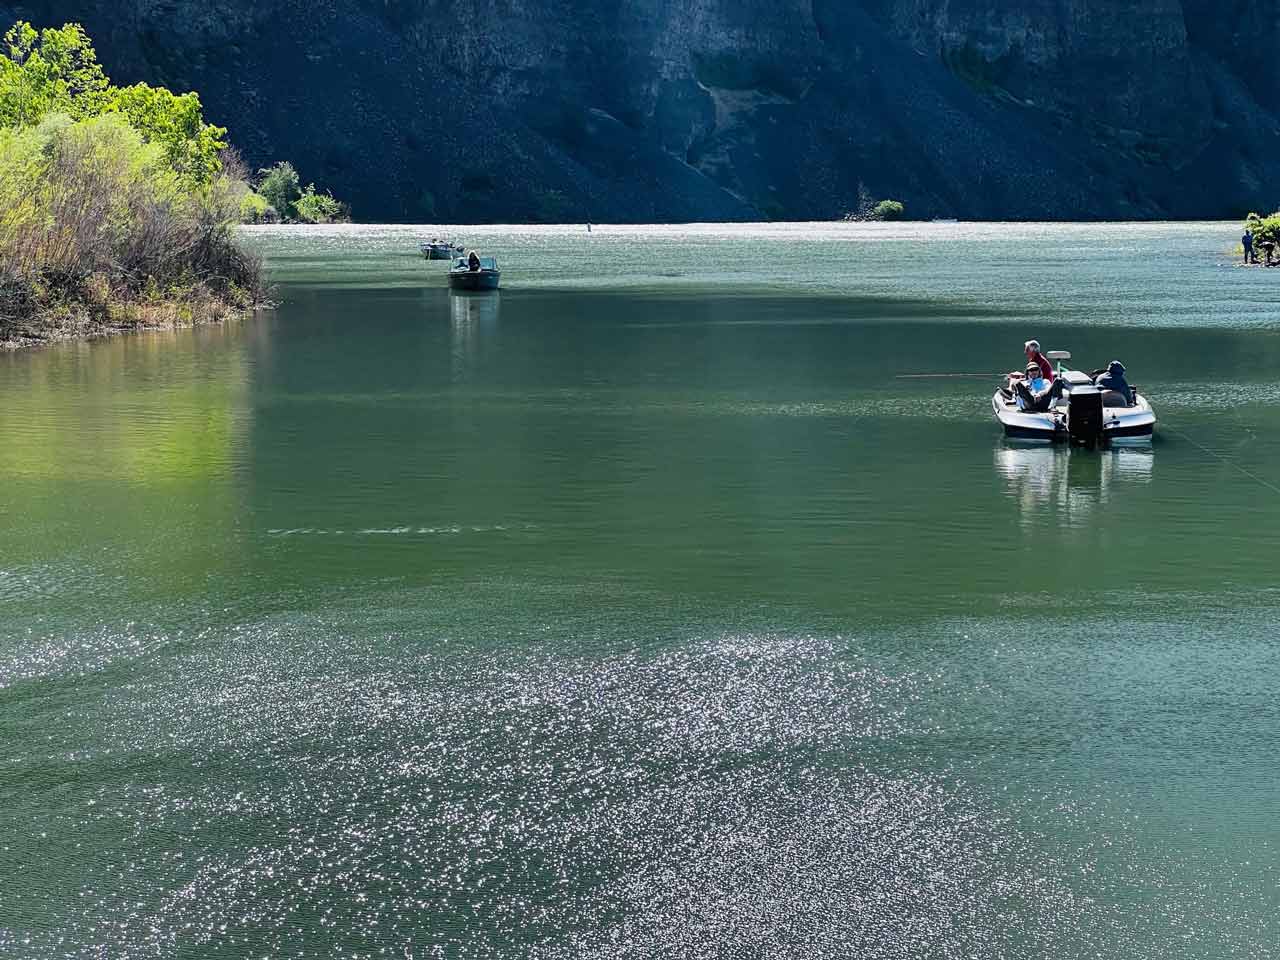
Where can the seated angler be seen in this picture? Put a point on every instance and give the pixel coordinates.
(1113, 379)
(1034, 394)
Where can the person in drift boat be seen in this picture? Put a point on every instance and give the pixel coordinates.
(473, 261)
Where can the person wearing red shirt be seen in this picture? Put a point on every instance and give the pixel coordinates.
(1032, 349)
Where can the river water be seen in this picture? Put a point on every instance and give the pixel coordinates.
(645, 609)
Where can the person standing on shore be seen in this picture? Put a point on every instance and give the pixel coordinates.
(1247, 242)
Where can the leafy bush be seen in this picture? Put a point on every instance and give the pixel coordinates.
(1264, 229)
(99, 229)
(91, 206)
(255, 209)
(314, 207)
(280, 187)
(888, 210)
(869, 209)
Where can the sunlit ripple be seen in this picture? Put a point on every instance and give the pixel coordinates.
(1094, 274)
(734, 796)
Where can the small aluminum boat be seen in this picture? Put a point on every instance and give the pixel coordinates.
(462, 277)
(439, 249)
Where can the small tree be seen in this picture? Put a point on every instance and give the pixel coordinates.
(70, 54)
(280, 187)
(29, 84)
(314, 207)
(56, 70)
(176, 124)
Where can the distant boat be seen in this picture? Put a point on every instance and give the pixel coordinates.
(462, 277)
(439, 249)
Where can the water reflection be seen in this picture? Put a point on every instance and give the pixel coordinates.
(474, 320)
(166, 406)
(123, 455)
(1073, 482)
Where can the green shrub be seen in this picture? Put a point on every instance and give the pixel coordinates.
(314, 207)
(280, 187)
(91, 205)
(869, 209)
(255, 209)
(888, 210)
(1265, 229)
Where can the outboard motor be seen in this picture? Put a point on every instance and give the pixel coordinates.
(1084, 415)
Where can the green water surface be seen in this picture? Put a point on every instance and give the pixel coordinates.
(646, 609)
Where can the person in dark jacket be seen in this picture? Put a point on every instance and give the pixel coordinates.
(1247, 242)
(473, 261)
(1113, 379)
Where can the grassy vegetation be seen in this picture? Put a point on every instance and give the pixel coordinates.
(116, 207)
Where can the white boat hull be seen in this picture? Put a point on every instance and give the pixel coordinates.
(1121, 426)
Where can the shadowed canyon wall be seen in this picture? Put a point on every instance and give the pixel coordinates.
(641, 110)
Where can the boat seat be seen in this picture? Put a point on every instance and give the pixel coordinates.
(1114, 398)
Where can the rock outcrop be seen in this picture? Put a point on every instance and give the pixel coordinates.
(651, 110)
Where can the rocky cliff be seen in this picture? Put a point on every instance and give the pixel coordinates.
(514, 110)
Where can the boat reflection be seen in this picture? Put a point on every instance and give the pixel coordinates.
(474, 322)
(1073, 482)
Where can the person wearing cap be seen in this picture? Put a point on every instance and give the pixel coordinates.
(1113, 379)
(1032, 350)
(1033, 393)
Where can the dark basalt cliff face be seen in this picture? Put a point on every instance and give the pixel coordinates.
(642, 110)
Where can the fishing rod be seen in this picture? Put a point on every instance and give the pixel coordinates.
(940, 376)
